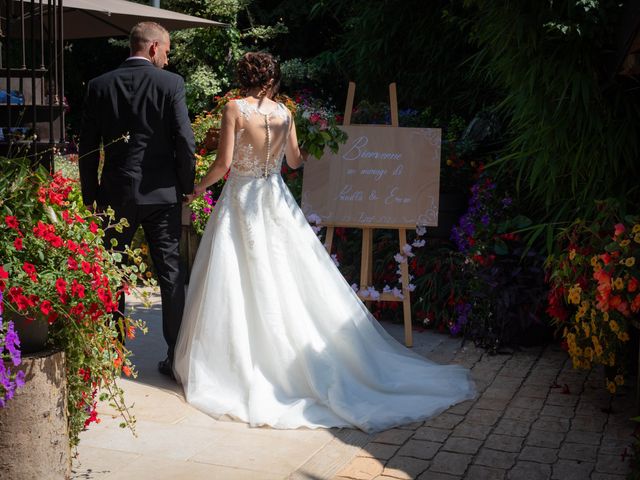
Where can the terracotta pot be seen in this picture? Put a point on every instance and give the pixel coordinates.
(212, 138)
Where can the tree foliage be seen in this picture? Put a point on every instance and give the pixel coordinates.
(573, 128)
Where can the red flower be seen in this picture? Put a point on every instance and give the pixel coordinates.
(61, 286)
(3, 276)
(619, 229)
(55, 241)
(86, 267)
(633, 284)
(93, 227)
(46, 307)
(77, 289)
(72, 263)
(11, 221)
(53, 316)
(30, 270)
(17, 243)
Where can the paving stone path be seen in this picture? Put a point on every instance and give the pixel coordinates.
(534, 418)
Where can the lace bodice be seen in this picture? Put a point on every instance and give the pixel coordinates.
(260, 140)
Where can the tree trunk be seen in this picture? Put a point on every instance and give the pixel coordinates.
(34, 440)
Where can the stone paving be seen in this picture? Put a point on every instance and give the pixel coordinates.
(534, 418)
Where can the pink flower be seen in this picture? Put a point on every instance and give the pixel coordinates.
(619, 229)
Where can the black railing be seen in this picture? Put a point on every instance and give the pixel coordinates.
(32, 111)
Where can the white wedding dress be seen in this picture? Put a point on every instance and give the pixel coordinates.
(272, 334)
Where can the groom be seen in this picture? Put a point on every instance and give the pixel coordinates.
(138, 113)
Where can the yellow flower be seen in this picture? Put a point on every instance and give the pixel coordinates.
(618, 283)
(574, 294)
(612, 359)
(148, 274)
(594, 261)
(587, 330)
(588, 352)
(614, 326)
(636, 228)
(636, 238)
(611, 387)
(630, 262)
(619, 380)
(623, 336)
(625, 243)
(605, 316)
(572, 254)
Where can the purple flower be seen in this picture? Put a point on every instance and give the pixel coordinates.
(194, 217)
(206, 210)
(485, 219)
(12, 344)
(20, 379)
(506, 202)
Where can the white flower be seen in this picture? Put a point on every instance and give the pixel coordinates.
(386, 289)
(418, 243)
(421, 230)
(398, 257)
(373, 293)
(315, 229)
(314, 218)
(334, 257)
(411, 287)
(364, 293)
(406, 249)
(354, 287)
(397, 293)
(126, 137)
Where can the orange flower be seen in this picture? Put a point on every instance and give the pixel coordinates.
(126, 370)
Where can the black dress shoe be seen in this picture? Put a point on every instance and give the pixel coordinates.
(165, 367)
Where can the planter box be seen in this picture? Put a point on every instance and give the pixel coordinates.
(34, 440)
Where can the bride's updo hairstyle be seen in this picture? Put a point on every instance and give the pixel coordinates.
(261, 70)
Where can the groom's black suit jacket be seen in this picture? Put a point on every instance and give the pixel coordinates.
(156, 165)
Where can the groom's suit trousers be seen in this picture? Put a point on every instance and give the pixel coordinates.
(162, 229)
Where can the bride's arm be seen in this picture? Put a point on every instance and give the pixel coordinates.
(295, 156)
(220, 167)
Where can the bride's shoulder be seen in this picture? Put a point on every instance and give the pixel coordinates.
(234, 107)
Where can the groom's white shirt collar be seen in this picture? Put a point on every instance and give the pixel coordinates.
(138, 58)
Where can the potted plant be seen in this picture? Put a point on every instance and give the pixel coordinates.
(54, 266)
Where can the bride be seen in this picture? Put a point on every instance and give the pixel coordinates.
(272, 334)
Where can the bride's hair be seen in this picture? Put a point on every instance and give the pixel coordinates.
(259, 69)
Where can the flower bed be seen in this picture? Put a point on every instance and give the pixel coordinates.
(595, 295)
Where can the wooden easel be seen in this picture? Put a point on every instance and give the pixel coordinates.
(366, 266)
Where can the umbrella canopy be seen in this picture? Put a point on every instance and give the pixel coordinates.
(103, 18)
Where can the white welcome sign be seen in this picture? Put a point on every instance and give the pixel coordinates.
(381, 177)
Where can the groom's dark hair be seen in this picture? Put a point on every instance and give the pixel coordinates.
(145, 32)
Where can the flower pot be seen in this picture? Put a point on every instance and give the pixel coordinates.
(451, 206)
(33, 332)
(212, 138)
(34, 438)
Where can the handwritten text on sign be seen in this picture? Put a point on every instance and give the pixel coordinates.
(381, 176)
